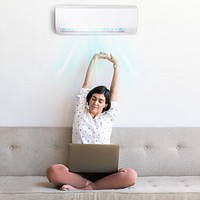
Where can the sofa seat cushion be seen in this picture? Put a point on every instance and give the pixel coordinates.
(151, 188)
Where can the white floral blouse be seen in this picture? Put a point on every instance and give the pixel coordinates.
(88, 130)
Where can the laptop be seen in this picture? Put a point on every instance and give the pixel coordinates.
(93, 158)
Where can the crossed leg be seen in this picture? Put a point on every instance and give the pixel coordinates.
(60, 175)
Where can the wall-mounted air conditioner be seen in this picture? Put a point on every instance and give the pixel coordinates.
(84, 20)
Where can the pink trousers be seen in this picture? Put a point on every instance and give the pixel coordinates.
(60, 175)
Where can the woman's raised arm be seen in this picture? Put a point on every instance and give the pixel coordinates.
(90, 71)
(114, 87)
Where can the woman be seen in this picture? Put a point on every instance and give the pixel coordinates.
(96, 111)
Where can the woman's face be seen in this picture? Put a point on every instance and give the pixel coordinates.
(96, 104)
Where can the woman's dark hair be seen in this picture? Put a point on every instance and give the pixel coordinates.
(101, 90)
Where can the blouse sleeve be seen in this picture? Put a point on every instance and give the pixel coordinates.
(81, 101)
(113, 111)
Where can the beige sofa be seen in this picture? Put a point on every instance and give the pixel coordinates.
(166, 159)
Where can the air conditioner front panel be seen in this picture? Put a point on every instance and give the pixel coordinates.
(96, 19)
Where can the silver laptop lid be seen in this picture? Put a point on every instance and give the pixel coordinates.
(93, 158)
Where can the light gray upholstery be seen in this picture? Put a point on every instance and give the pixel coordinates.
(166, 159)
(160, 151)
(28, 151)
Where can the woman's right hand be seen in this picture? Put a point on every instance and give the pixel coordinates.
(101, 55)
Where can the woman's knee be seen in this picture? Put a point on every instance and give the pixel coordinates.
(53, 172)
(130, 175)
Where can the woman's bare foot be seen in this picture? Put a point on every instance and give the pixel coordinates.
(67, 187)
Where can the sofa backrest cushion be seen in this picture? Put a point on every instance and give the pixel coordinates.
(160, 151)
(30, 150)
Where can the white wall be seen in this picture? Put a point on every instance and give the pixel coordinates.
(41, 72)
